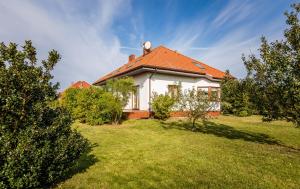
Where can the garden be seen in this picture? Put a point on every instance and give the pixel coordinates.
(227, 152)
(81, 139)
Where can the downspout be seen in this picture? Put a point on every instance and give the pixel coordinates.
(150, 77)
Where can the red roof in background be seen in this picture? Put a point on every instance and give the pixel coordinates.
(167, 59)
(80, 84)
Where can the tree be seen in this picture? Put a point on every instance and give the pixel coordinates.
(121, 88)
(236, 96)
(38, 146)
(196, 103)
(276, 74)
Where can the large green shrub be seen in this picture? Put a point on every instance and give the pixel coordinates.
(105, 109)
(38, 146)
(162, 106)
(226, 107)
(236, 97)
(93, 105)
(69, 98)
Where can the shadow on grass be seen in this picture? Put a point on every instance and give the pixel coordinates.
(226, 131)
(85, 161)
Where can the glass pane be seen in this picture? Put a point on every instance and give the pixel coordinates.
(135, 98)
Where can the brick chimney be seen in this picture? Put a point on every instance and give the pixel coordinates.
(146, 51)
(131, 58)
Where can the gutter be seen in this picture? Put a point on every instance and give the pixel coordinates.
(171, 72)
(150, 77)
(159, 70)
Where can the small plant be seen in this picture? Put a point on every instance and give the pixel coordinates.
(162, 106)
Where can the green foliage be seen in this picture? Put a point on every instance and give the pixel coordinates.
(70, 102)
(236, 96)
(276, 74)
(243, 113)
(226, 107)
(96, 105)
(38, 146)
(196, 103)
(121, 88)
(162, 106)
(93, 105)
(105, 109)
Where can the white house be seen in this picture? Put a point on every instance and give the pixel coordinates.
(161, 70)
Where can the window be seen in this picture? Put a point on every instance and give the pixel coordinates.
(205, 89)
(173, 91)
(199, 65)
(136, 98)
(215, 94)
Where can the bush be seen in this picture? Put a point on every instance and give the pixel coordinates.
(93, 105)
(38, 146)
(242, 113)
(226, 108)
(236, 96)
(162, 106)
(105, 109)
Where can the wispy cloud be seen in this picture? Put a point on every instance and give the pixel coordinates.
(131, 48)
(225, 47)
(186, 35)
(94, 37)
(234, 12)
(87, 45)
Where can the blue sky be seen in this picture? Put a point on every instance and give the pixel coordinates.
(95, 37)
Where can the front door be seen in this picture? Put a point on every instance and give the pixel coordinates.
(136, 98)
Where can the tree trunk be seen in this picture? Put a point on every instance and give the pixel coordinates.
(194, 121)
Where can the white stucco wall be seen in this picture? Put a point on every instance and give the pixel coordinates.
(160, 82)
(142, 81)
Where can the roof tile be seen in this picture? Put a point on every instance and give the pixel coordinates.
(164, 58)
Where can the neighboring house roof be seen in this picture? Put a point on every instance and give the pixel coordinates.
(165, 59)
(76, 85)
(80, 84)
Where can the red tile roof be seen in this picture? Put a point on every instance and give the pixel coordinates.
(167, 59)
(80, 84)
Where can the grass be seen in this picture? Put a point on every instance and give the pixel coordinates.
(227, 152)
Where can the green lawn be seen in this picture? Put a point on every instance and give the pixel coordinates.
(227, 152)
